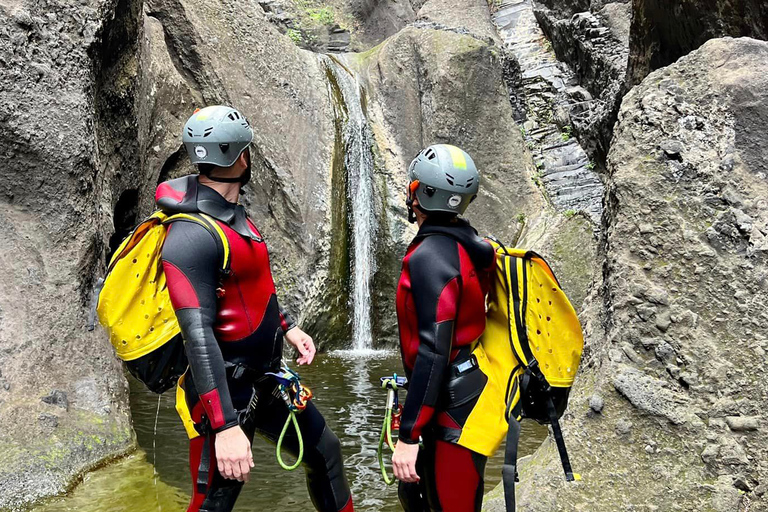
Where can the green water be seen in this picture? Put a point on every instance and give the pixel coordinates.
(347, 391)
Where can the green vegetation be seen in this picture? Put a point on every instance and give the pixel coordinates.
(566, 134)
(520, 218)
(570, 213)
(323, 15)
(591, 165)
(295, 36)
(537, 177)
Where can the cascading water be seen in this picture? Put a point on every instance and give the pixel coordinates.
(358, 161)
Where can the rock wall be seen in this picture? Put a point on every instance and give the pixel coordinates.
(594, 41)
(663, 31)
(63, 400)
(668, 409)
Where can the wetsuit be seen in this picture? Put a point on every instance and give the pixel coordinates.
(441, 312)
(233, 332)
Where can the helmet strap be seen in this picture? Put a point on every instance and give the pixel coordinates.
(225, 180)
(411, 214)
(412, 188)
(243, 179)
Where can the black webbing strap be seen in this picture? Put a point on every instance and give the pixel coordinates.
(509, 470)
(203, 470)
(559, 439)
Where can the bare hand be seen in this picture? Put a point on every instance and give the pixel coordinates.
(233, 454)
(303, 343)
(404, 462)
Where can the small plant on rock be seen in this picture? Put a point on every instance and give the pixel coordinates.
(322, 15)
(566, 134)
(295, 36)
(570, 213)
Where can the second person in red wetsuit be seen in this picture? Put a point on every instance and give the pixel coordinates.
(441, 313)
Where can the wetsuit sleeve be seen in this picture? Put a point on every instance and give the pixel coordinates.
(191, 263)
(286, 321)
(435, 286)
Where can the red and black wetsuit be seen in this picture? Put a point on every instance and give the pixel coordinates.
(232, 321)
(441, 312)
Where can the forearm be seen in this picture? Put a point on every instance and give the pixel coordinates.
(208, 369)
(426, 383)
(286, 321)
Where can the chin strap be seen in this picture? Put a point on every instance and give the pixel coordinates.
(411, 213)
(243, 179)
(225, 180)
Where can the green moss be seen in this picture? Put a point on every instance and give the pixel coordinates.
(364, 57)
(336, 320)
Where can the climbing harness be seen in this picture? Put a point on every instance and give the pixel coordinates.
(296, 397)
(392, 416)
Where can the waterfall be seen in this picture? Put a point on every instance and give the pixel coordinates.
(358, 161)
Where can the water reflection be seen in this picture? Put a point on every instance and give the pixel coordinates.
(347, 392)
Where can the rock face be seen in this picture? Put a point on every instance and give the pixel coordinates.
(63, 399)
(676, 340)
(663, 31)
(548, 102)
(593, 39)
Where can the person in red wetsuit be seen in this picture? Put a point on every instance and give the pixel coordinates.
(233, 326)
(441, 313)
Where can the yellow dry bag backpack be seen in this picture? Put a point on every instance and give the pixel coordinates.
(134, 306)
(530, 352)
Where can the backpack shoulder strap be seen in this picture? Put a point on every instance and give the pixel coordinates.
(208, 223)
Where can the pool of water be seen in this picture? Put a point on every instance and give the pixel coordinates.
(347, 392)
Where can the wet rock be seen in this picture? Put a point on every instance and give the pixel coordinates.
(57, 398)
(742, 423)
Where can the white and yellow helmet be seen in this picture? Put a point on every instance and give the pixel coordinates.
(444, 179)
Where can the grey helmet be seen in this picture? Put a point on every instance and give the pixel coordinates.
(216, 135)
(448, 179)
